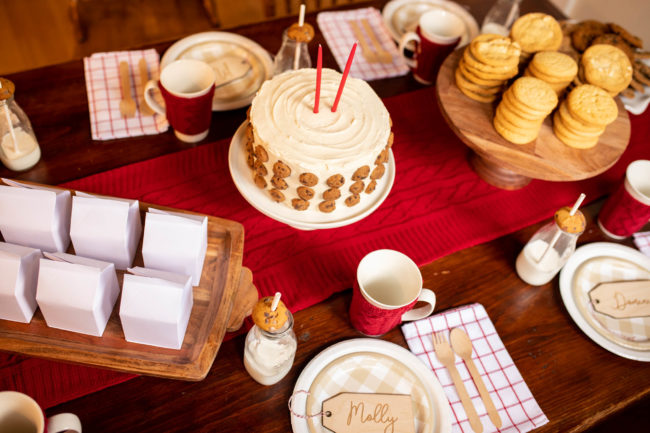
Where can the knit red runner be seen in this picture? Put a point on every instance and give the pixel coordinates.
(438, 205)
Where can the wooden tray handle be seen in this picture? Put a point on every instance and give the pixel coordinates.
(245, 298)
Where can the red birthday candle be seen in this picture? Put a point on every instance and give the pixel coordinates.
(319, 69)
(345, 76)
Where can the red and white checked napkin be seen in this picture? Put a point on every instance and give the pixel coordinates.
(338, 34)
(513, 400)
(642, 242)
(105, 92)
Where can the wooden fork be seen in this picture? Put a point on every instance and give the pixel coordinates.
(127, 104)
(448, 359)
(382, 55)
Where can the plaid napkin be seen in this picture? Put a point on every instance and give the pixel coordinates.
(104, 95)
(513, 400)
(340, 38)
(642, 242)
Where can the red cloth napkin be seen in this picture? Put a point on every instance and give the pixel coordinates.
(438, 205)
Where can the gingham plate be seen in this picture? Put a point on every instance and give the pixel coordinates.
(368, 372)
(348, 365)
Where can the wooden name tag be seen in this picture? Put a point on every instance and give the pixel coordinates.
(622, 299)
(369, 413)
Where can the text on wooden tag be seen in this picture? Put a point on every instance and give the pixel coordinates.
(369, 413)
(622, 299)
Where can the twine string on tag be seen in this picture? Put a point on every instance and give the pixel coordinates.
(321, 413)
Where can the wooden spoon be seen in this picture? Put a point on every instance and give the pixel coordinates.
(462, 345)
(127, 104)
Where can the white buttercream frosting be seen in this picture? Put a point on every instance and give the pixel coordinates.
(323, 143)
(283, 118)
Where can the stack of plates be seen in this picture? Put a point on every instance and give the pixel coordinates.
(401, 16)
(603, 262)
(226, 53)
(366, 365)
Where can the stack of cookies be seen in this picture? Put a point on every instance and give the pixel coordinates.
(536, 32)
(556, 68)
(487, 63)
(607, 67)
(583, 116)
(523, 108)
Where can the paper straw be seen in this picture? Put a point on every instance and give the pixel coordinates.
(557, 234)
(276, 301)
(345, 76)
(319, 70)
(301, 22)
(10, 126)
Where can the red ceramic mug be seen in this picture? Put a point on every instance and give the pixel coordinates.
(628, 208)
(187, 86)
(388, 286)
(438, 33)
(20, 413)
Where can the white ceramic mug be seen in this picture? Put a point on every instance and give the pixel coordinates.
(438, 33)
(388, 286)
(187, 86)
(19, 413)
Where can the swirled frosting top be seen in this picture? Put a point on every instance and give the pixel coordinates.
(283, 118)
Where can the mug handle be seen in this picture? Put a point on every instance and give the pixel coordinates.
(64, 422)
(155, 106)
(420, 313)
(406, 38)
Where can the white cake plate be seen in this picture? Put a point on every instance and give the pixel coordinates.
(310, 219)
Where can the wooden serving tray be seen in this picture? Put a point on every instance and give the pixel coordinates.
(511, 166)
(225, 288)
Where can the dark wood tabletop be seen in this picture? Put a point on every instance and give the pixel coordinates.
(577, 383)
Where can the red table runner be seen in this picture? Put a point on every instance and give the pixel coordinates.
(438, 205)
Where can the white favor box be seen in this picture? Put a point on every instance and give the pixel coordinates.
(155, 307)
(175, 242)
(18, 275)
(105, 228)
(76, 293)
(36, 217)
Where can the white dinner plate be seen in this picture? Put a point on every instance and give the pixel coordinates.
(587, 324)
(435, 399)
(309, 219)
(401, 16)
(225, 52)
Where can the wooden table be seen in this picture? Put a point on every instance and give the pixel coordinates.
(577, 383)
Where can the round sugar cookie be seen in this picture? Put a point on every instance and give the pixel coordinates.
(575, 124)
(562, 126)
(476, 96)
(537, 32)
(471, 76)
(534, 93)
(476, 88)
(607, 66)
(516, 137)
(505, 71)
(515, 119)
(558, 67)
(495, 50)
(571, 142)
(522, 110)
(592, 105)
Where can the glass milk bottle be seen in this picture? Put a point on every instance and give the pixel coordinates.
(550, 247)
(271, 343)
(19, 148)
(500, 17)
(294, 53)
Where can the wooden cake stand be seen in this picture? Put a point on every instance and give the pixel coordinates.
(512, 166)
